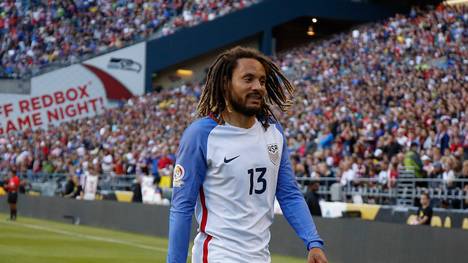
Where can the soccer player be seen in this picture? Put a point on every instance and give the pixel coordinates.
(231, 164)
(12, 187)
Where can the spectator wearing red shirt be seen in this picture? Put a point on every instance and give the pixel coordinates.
(165, 164)
(12, 187)
(164, 161)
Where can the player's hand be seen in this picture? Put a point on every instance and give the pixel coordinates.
(316, 255)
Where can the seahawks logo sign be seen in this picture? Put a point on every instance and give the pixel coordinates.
(273, 152)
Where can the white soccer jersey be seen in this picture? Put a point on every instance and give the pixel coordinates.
(90, 187)
(232, 176)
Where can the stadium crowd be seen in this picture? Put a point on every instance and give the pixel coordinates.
(34, 34)
(369, 102)
(383, 96)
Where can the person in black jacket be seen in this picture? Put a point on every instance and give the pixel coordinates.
(136, 189)
(424, 214)
(312, 198)
(71, 187)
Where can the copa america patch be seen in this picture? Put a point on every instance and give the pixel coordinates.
(273, 152)
(178, 175)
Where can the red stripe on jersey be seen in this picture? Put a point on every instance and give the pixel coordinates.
(204, 211)
(203, 225)
(205, 248)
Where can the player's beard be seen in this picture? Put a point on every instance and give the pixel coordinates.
(242, 108)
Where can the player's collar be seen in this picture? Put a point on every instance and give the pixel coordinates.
(217, 118)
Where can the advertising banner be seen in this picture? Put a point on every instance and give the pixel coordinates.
(77, 91)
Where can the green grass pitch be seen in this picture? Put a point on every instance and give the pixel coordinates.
(31, 240)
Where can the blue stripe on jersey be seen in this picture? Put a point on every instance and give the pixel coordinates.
(292, 201)
(192, 157)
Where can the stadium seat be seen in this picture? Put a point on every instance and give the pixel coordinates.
(165, 182)
(410, 219)
(448, 222)
(465, 224)
(124, 196)
(436, 221)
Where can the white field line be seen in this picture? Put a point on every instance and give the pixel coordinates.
(91, 237)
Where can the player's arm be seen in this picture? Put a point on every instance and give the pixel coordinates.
(189, 173)
(296, 210)
(293, 204)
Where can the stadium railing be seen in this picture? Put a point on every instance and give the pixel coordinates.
(50, 184)
(403, 192)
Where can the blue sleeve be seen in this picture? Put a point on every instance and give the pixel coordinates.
(189, 173)
(293, 204)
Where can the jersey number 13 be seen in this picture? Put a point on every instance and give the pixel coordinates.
(260, 186)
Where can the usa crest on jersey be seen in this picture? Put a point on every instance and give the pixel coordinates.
(273, 152)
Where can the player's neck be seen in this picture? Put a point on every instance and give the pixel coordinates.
(239, 120)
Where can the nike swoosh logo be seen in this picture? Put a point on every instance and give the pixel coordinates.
(230, 160)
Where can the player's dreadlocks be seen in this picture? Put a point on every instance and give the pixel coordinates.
(215, 94)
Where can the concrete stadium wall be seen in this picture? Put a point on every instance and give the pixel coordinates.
(347, 240)
(447, 219)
